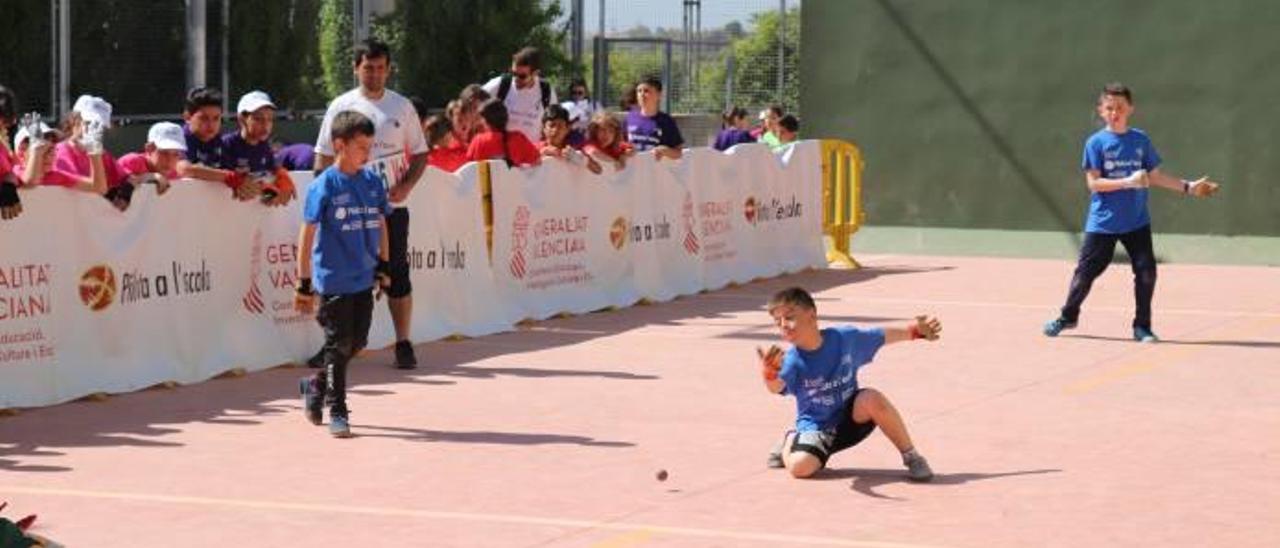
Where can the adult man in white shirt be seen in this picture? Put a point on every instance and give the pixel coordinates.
(397, 133)
(524, 92)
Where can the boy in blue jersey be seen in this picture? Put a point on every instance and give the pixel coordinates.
(1120, 164)
(343, 260)
(821, 371)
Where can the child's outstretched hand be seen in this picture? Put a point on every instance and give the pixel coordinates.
(1202, 187)
(770, 362)
(926, 327)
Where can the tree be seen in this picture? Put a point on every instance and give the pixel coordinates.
(24, 27)
(440, 46)
(335, 46)
(265, 34)
(755, 64)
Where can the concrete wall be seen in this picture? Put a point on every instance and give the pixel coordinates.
(973, 113)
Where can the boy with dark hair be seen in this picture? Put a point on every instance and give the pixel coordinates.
(555, 140)
(343, 261)
(1120, 163)
(821, 370)
(788, 131)
(648, 128)
(529, 97)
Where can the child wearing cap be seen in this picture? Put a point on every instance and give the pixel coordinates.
(82, 155)
(34, 161)
(158, 162)
(248, 151)
(202, 114)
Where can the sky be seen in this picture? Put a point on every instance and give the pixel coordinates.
(625, 14)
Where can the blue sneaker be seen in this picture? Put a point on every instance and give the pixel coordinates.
(338, 426)
(1144, 334)
(312, 400)
(1052, 328)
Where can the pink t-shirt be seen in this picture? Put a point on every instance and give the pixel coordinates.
(71, 159)
(135, 163)
(6, 162)
(54, 176)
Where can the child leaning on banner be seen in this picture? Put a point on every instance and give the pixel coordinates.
(343, 260)
(248, 152)
(555, 140)
(821, 371)
(158, 162)
(202, 112)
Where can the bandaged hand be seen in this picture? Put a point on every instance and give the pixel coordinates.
(10, 202)
(1201, 188)
(91, 139)
(770, 362)
(927, 328)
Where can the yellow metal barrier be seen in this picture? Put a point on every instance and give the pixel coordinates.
(486, 201)
(842, 212)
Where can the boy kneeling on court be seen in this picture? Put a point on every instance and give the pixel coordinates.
(344, 243)
(821, 370)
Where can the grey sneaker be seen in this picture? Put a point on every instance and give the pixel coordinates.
(1144, 334)
(339, 427)
(1053, 327)
(918, 469)
(774, 460)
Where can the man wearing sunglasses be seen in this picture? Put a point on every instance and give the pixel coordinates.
(528, 97)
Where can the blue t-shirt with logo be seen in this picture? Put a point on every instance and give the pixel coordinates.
(649, 132)
(348, 210)
(823, 380)
(1116, 156)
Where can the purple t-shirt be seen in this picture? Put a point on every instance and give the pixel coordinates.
(205, 153)
(647, 132)
(297, 157)
(733, 136)
(239, 155)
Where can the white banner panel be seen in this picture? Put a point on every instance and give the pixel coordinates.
(185, 286)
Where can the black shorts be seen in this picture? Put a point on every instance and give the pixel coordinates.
(824, 443)
(398, 259)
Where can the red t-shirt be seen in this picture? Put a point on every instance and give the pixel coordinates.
(488, 146)
(447, 158)
(616, 151)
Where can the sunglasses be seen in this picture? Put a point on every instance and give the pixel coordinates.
(522, 76)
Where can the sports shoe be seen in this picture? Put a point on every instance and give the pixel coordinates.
(1052, 328)
(339, 427)
(312, 400)
(404, 356)
(1144, 334)
(917, 468)
(316, 361)
(774, 460)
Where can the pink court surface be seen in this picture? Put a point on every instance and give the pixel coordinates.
(552, 435)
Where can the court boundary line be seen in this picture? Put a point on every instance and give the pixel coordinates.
(514, 519)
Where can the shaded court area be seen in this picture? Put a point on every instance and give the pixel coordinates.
(551, 435)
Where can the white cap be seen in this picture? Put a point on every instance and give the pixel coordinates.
(167, 136)
(22, 135)
(253, 101)
(764, 114)
(93, 108)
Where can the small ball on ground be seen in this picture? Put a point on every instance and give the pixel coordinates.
(661, 475)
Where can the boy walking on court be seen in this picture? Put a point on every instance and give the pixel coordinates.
(344, 260)
(1120, 164)
(821, 371)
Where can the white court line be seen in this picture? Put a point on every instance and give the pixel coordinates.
(457, 516)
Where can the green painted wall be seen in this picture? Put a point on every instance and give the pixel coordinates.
(973, 113)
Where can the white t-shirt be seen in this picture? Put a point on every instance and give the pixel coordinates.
(524, 106)
(395, 123)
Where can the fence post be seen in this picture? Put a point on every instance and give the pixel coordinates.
(486, 204)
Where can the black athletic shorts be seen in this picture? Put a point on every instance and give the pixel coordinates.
(824, 443)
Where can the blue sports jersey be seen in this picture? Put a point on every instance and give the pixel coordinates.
(823, 380)
(347, 210)
(1116, 156)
